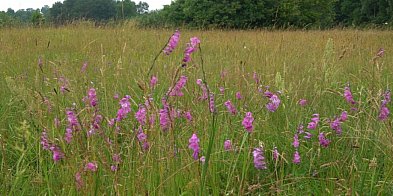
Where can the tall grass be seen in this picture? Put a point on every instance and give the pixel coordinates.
(314, 65)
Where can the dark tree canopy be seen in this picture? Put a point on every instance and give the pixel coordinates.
(215, 13)
(272, 13)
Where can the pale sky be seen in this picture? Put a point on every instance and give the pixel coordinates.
(24, 4)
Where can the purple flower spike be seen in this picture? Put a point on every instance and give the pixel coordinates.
(348, 95)
(176, 90)
(194, 145)
(140, 115)
(173, 41)
(92, 96)
(323, 141)
(276, 154)
(230, 107)
(384, 110)
(314, 122)
(296, 158)
(84, 67)
(125, 108)
(188, 116)
(247, 122)
(302, 102)
(203, 88)
(238, 96)
(57, 153)
(78, 180)
(191, 47)
(91, 166)
(344, 116)
(227, 145)
(153, 81)
(336, 126)
(44, 140)
(272, 106)
(259, 159)
(296, 141)
(212, 105)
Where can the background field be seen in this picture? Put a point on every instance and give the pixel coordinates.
(314, 65)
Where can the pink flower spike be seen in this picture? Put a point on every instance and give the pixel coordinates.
(348, 95)
(247, 122)
(276, 154)
(194, 145)
(259, 159)
(153, 81)
(238, 96)
(296, 141)
(323, 141)
(227, 145)
(296, 158)
(173, 41)
(78, 180)
(344, 116)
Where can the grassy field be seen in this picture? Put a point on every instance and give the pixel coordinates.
(36, 64)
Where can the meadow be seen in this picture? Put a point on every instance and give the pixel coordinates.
(308, 112)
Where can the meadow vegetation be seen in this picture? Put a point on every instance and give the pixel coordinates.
(46, 73)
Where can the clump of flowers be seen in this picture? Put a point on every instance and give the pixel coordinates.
(194, 145)
(247, 122)
(176, 90)
(173, 41)
(259, 159)
(230, 107)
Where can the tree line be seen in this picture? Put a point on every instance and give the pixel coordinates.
(214, 13)
(272, 13)
(71, 10)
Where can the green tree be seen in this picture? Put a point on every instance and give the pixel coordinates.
(142, 7)
(125, 9)
(37, 18)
